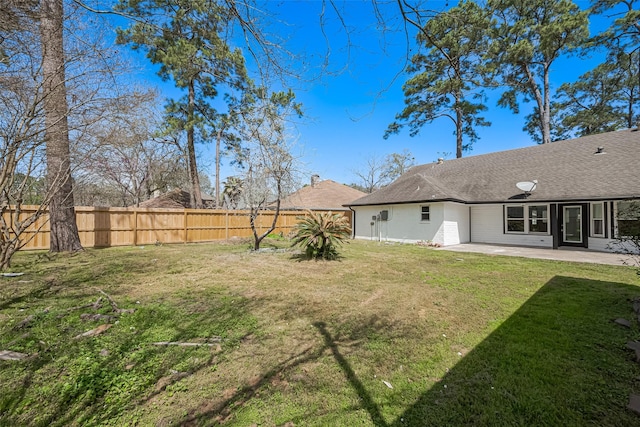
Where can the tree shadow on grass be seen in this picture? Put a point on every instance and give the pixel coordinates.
(558, 360)
(367, 401)
(219, 412)
(34, 293)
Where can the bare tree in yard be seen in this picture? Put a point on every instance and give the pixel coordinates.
(269, 165)
(127, 163)
(57, 77)
(21, 149)
(380, 172)
(370, 175)
(627, 240)
(23, 128)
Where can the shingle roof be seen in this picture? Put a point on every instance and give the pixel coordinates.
(174, 199)
(325, 195)
(565, 170)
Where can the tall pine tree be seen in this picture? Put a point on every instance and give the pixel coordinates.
(187, 39)
(64, 235)
(446, 78)
(528, 36)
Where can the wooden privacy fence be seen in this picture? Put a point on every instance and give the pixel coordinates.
(103, 227)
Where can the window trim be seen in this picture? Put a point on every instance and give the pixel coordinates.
(543, 219)
(523, 219)
(422, 213)
(526, 219)
(617, 215)
(593, 219)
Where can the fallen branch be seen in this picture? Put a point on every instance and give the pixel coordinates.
(114, 306)
(93, 332)
(95, 305)
(98, 317)
(21, 337)
(12, 355)
(25, 322)
(186, 344)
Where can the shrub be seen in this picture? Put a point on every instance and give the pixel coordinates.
(320, 233)
(627, 241)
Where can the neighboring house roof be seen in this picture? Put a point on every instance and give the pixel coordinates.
(174, 199)
(322, 195)
(569, 170)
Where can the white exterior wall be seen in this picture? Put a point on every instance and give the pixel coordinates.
(487, 226)
(599, 244)
(448, 223)
(451, 224)
(456, 224)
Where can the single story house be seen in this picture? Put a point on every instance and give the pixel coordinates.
(321, 195)
(567, 193)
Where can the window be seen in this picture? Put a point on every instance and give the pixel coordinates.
(538, 220)
(597, 219)
(628, 217)
(515, 219)
(527, 219)
(425, 213)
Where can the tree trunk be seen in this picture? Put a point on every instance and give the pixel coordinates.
(219, 137)
(546, 113)
(632, 92)
(196, 194)
(459, 128)
(62, 215)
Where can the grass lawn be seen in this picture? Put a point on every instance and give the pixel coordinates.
(390, 335)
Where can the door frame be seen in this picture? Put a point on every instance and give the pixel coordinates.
(558, 229)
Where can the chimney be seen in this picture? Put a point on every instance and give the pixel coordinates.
(315, 179)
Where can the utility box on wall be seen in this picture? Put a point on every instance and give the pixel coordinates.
(384, 215)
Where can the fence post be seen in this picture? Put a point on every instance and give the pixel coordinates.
(226, 224)
(185, 226)
(135, 226)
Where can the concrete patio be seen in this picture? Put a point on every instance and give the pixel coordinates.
(572, 255)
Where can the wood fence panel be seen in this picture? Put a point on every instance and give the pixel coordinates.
(203, 226)
(238, 224)
(117, 227)
(37, 235)
(160, 226)
(104, 227)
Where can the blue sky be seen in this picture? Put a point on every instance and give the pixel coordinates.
(347, 113)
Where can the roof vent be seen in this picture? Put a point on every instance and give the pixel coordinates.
(600, 150)
(440, 160)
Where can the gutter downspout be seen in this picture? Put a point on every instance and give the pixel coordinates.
(470, 231)
(353, 228)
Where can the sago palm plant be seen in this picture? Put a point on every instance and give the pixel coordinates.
(320, 233)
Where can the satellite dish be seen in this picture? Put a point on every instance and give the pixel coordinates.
(527, 186)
